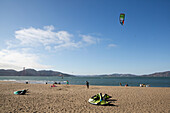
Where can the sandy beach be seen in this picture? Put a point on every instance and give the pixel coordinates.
(74, 99)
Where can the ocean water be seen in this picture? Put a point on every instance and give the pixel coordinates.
(102, 81)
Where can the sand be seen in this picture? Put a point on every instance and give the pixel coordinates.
(74, 99)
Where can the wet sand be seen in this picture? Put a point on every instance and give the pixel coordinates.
(74, 99)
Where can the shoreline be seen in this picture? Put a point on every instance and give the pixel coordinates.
(74, 98)
(99, 81)
(15, 82)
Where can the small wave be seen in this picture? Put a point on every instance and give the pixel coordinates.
(10, 80)
(36, 81)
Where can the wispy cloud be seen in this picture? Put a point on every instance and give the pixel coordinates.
(16, 60)
(112, 45)
(49, 39)
(19, 51)
(42, 37)
(89, 39)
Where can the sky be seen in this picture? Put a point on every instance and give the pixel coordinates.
(85, 37)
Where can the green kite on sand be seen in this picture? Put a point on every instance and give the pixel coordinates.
(99, 99)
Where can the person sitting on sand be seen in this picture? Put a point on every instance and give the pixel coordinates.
(53, 85)
(126, 85)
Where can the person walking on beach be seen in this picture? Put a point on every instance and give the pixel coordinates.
(87, 83)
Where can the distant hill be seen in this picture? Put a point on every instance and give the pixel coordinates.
(158, 74)
(32, 72)
(119, 75)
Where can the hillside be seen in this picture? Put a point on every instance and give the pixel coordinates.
(32, 72)
(158, 74)
(119, 75)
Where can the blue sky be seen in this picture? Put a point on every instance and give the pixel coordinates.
(84, 36)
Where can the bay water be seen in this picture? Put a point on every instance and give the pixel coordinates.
(102, 81)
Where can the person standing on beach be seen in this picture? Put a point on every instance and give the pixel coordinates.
(87, 83)
(120, 84)
(67, 82)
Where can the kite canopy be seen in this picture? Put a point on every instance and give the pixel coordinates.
(122, 18)
(99, 99)
(22, 92)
